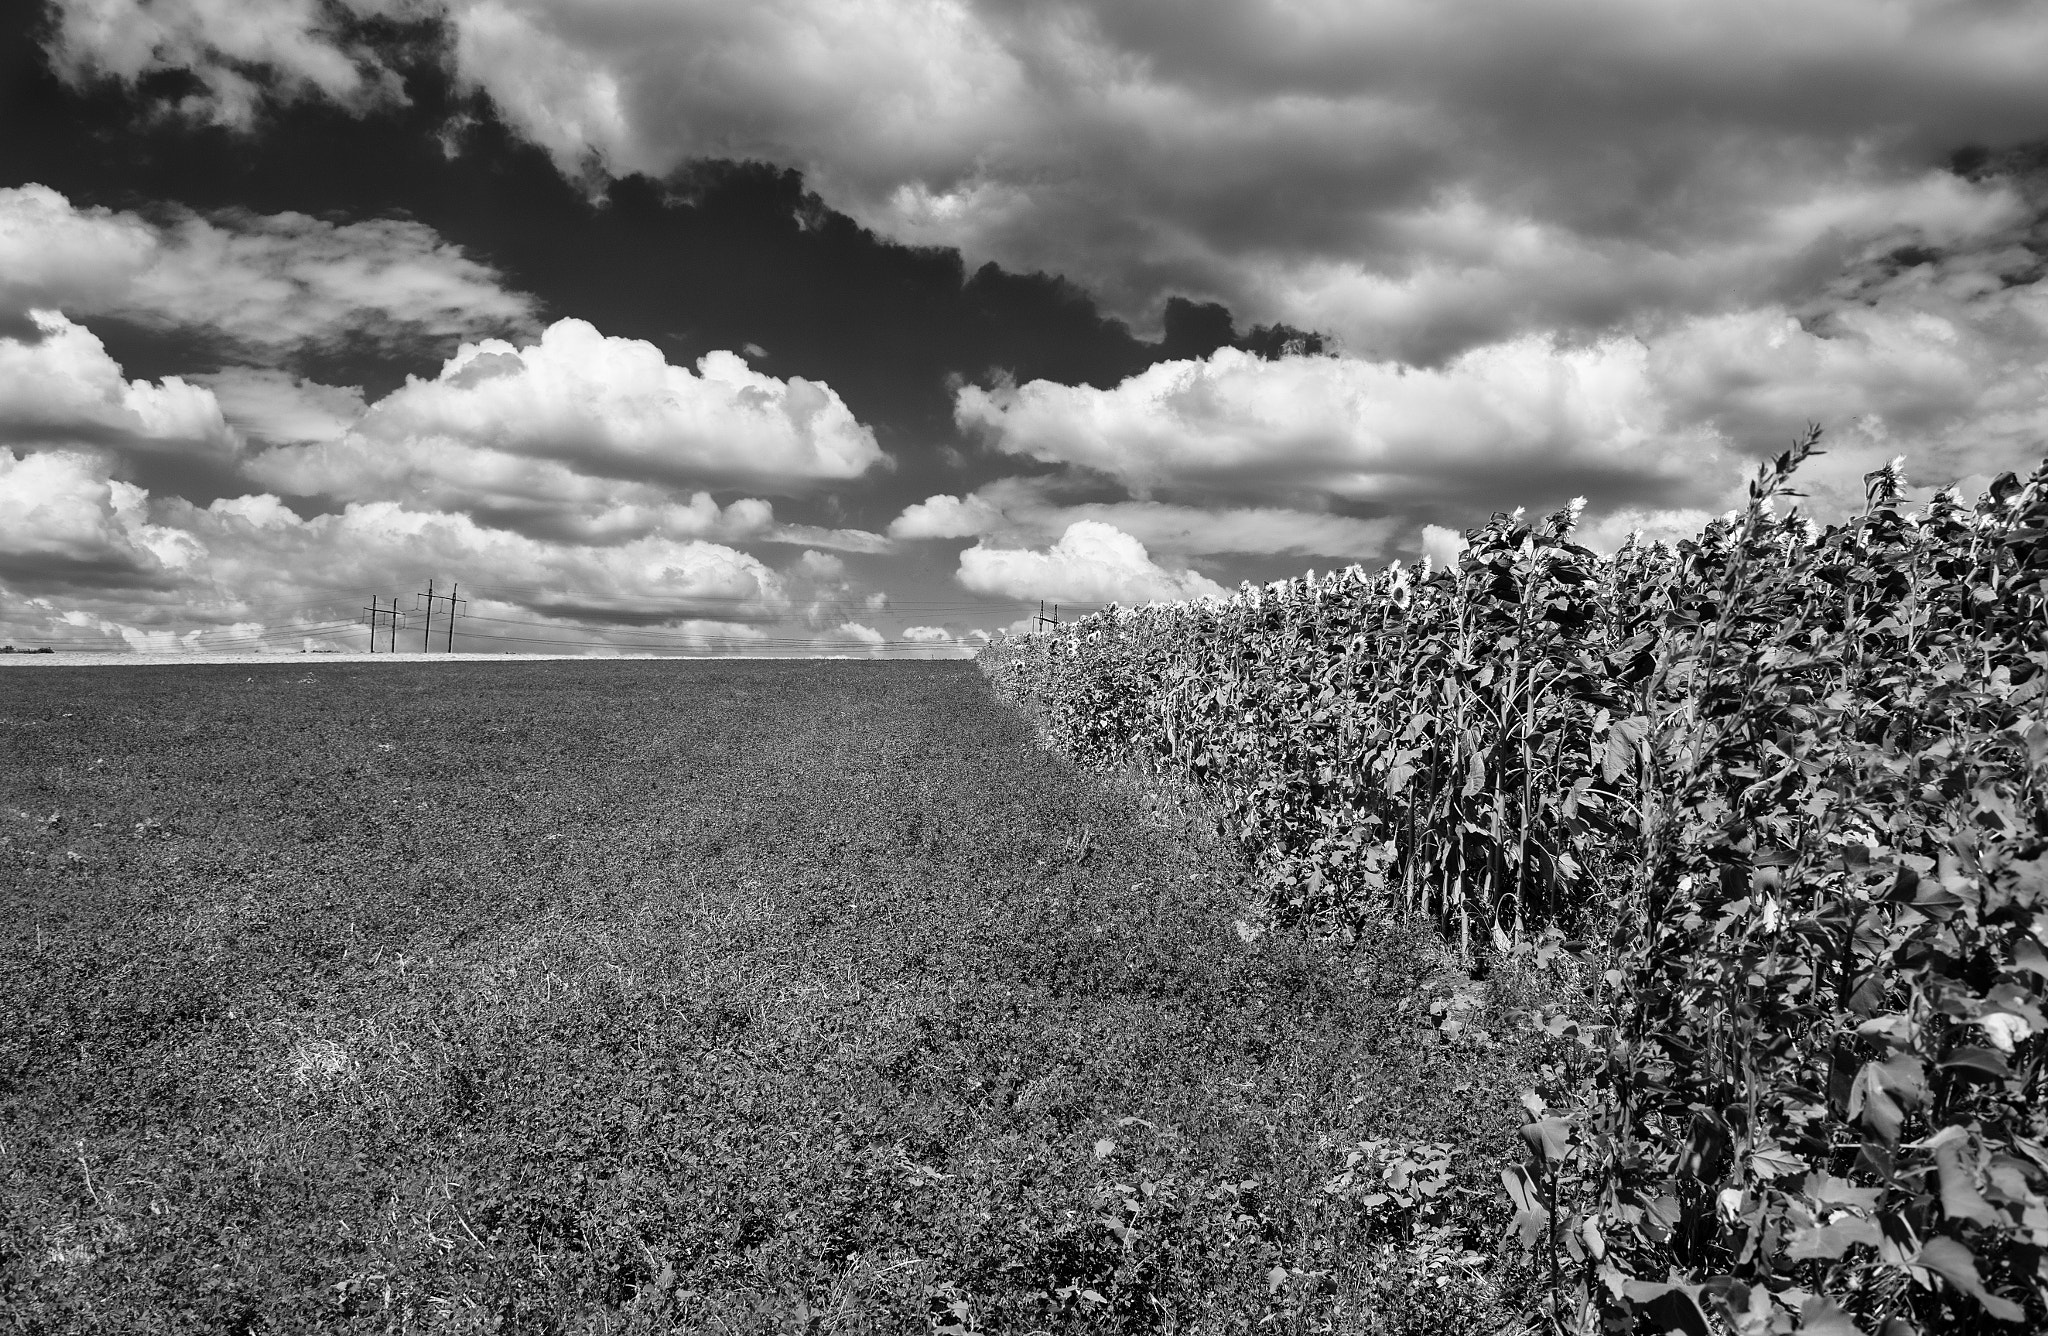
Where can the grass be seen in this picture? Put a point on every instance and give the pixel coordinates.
(741, 997)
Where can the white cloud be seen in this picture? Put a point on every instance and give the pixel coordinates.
(578, 559)
(273, 283)
(1442, 545)
(820, 566)
(946, 517)
(1390, 170)
(265, 284)
(542, 453)
(1091, 563)
(928, 635)
(77, 544)
(65, 521)
(61, 388)
(577, 436)
(225, 43)
(1018, 509)
(1307, 426)
(606, 406)
(52, 255)
(1609, 532)
(840, 540)
(278, 408)
(1671, 422)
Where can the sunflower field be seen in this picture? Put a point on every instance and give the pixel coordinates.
(1781, 786)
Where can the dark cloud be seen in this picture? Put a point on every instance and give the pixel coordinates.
(1054, 259)
(720, 255)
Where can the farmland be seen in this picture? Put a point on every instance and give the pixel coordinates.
(1769, 807)
(739, 997)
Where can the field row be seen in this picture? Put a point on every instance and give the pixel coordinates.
(1783, 791)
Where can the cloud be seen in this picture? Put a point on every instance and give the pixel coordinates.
(242, 52)
(277, 408)
(840, 540)
(1025, 509)
(64, 522)
(550, 556)
(946, 517)
(820, 566)
(928, 635)
(54, 256)
(535, 440)
(1393, 171)
(274, 283)
(577, 409)
(1442, 545)
(1303, 427)
(77, 544)
(264, 285)
(1091, 563)
(61, 388)
(1956, 377)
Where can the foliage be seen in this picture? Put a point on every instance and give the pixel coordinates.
(1794, 776)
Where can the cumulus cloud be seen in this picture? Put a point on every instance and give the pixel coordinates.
(55, 256)
(65, 522)
(548, 550)
(82, 549)
(575, 438)
(1026, 509)
(1666, 423)
(241, 52)
(1442, 545)
(277, 408)
(522, 419)
(946, 517)
(820, 566)
(1305, 426)
(60, 387)
(1091, 563)
(1388, 170)
(264, 285)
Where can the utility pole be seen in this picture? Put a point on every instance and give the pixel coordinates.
(453, 590)
(430, 598)
(375, 613)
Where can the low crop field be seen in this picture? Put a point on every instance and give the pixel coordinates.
(747, 997)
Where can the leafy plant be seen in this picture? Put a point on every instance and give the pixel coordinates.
(1792, 778)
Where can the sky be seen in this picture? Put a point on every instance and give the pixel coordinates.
(863, 326)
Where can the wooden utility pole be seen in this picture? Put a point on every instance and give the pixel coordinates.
(375, 612)
(430, 598)
(453, 590)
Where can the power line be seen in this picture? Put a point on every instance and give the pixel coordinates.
(451, 600)
(376, 612)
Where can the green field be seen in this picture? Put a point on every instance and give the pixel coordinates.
(684, 996)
